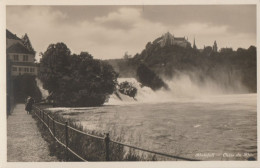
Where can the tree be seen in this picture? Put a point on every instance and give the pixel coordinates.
(127, 56)
(76, 80)
(128, 89)
(54, 65)
(252, 51)
(148, 78)
(207, 51)
(24, 86)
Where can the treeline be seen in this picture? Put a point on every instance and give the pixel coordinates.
(222, 67)
(75, 80)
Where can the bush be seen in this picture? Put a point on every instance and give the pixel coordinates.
(127, 89)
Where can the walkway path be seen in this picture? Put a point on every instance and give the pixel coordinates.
(24, 141)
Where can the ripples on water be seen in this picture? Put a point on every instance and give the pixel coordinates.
(187, 127)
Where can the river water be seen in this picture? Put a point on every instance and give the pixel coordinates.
(221, 127)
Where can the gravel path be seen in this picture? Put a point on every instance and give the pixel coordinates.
(24, 141)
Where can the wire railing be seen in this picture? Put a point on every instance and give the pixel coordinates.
(89, 147)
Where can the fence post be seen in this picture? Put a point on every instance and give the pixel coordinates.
(53, 127)
(107, 140)
(66, 136)
(48, 120)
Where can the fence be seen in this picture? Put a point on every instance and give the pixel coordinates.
(90, 147)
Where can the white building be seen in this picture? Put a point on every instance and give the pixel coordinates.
(20, 56)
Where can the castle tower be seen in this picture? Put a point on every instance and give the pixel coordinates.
(215, 47)
(194, 44)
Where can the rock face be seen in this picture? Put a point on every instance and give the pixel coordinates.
(128, 89)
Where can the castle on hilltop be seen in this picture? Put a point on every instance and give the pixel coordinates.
(169, 39)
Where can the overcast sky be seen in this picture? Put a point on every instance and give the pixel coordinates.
(110, 31)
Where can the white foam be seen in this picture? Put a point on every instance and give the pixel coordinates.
(44, 92)
(181, 88)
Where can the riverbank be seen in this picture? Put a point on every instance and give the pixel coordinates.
(24, 141)
(55, 148)
(82, 145)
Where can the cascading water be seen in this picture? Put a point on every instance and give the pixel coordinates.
(188, 118)
(143, 93)
(182, 86)
(44, 92)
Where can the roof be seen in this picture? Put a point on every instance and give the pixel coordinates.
(18, 48)
(10, 35)
(157, 40)
(179, 38)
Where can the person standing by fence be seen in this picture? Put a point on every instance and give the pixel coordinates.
(28, 105)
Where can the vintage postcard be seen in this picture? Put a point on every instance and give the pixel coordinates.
(129, 83)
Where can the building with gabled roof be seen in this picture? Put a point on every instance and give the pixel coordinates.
(10, 35)
(169, 39)
(20, 57)
(18, 48)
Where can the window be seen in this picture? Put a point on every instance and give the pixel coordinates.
(20, 69)
(16, 58)
(31, 69)
(14, 69)
(25, 57)
(26, 69)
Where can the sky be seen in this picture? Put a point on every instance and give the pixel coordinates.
(108, 32)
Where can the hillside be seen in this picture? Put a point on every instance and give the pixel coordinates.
(226, 67)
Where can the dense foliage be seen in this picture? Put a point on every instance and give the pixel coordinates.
(148, 78)
(125, 67)
(222, 67)
(75, 80)
(24, 86)
(128, 89)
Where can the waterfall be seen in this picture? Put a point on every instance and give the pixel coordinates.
(181, 86)
(144, 94)
(44, 92)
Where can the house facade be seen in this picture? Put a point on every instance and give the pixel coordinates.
(21, 58)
